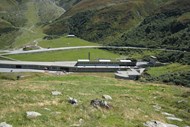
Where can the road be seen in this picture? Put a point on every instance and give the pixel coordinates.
(8, 70)
(19, 70)
(79, 47)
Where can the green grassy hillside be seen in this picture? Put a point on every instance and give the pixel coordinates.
(166, 28)
(174, 73)
(133, 103)
(11, 16)
(67, 55)
(22, 20)
(101, 20)
(171, 68)
(7, 33)
(131, 23)
(65, 42)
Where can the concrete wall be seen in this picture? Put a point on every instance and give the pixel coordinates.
(130, 77)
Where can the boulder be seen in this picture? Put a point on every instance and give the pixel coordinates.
(168, 114)
(4, 124)
(55, 93)
(107, 97)
(72, 101)
(32, 114)
(154, 123)
(100, 103)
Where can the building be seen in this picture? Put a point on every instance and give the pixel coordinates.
(124, 69)
(103, 62)
(131, 74)
(70, 35)
(83, 65)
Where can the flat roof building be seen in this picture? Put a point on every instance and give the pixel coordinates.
(131, 74)
(104, 60)
(83, 60)
(125, 60)
(70, 35)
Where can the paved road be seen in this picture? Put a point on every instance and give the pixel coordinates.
(30, 70)
(78, 47)
(19, 70)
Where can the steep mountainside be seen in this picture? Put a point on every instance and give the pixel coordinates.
(20, 17)
(102, 20)
(169, 27)
(155, 23)
(48, 10)
(11, 17)
(128, 22)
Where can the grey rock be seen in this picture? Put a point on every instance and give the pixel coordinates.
(56, 113)
(107, 97)
(47, 109)
(182, 101)
(100, 103)
(72, 101)
(174, 119)
(32, 114)
(157, 107)
(155, 123)
(168, 114)
(4, 124)
(56, 93)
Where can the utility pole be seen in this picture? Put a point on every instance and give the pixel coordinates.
(89, 55)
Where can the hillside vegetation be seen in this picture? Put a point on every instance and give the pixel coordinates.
(144, 23)
(101, 20)
(64, 42)
(169, 27)
(163, 23)
(174, 73)
(66, 55)
(20, 20)
(133, 103)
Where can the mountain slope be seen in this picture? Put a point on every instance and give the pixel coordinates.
(20, 20)
(169, 27)
(128, 22)
(101, 20)
(11, 16)
(48, 10)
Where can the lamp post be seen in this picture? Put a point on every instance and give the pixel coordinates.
(89, 55)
